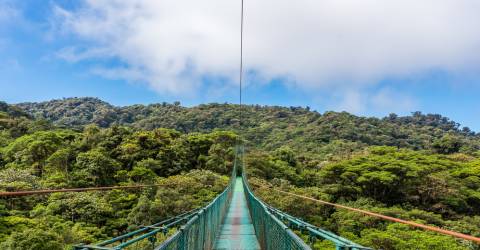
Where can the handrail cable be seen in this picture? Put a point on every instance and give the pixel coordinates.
(384, 217)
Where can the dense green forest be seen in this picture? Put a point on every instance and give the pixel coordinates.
(422, 167)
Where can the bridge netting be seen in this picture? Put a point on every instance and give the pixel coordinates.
(197, 229)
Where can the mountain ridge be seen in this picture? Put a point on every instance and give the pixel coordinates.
(73, 103)
(268, 127)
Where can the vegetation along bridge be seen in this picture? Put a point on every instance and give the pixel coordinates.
(235, 219)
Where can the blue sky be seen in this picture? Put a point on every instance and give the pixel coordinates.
(311, 55)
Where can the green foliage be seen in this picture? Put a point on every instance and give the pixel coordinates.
(142, 175)
(74, 111)
(397, 236)
(32, 239)
(448, 144)
(94, 168)
(178, 194)
(60, 158)
(17, 179)
(32, 151)
(269, 127)
(90, 208)
(420, 167)
(395, 176)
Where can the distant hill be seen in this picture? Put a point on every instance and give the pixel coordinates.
(73, 111)
(11, 111)
(16, 122)
(269, 127)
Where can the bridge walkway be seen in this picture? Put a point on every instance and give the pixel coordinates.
(237, 230)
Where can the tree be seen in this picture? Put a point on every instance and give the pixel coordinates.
(12, 179)
(87, 207)
(91, 136)
(217, 159)
(397, 236)
(95, 168)
(448, 144)
(153, 165)
(32, 239)
(286, 154)
(33, 150)
(142, 174)
(61, 161)
(173, 159)
(141, 214)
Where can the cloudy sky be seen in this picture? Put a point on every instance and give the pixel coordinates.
(369, 57)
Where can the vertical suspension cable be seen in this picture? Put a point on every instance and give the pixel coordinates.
(241, 62)
(240, 145)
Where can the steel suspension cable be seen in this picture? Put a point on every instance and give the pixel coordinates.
(381, 216)
(241, 63)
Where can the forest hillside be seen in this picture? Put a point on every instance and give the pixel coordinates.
(422, 167)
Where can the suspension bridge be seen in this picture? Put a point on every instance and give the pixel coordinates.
(235, 219)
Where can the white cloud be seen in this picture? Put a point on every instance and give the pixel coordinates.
(352, 101)
(387, 100)
(7, 11)
(173, 44)
(72, 54)
(10, 64)
(377, 101)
